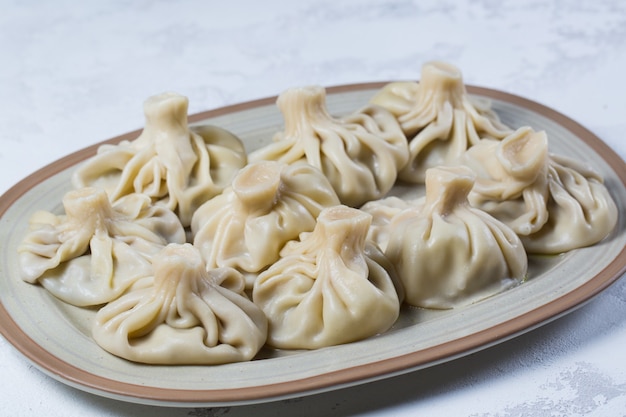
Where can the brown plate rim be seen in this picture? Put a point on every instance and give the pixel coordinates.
(500, 332)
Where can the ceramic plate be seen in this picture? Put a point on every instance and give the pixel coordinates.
(56, 336)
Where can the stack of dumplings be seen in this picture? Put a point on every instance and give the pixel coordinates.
(191, 251)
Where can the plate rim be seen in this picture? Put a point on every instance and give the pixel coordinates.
(430, 356)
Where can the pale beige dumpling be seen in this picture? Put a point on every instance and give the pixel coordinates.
(554, 203)
(190, 316)
(383, 211)
(175, 164)
(449, 254)
(331, 286)
(359, 153)
(512, 179)
(96, 250)
(438, 117)
(268, 204)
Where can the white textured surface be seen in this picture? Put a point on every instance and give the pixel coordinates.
(74, 73)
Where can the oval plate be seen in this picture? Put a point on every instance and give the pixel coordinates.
(56, 337)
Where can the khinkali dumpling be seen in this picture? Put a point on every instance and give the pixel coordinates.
(174, 164)
(96, 250)
(553, 202)
(189, 316)
(330, 287)
(439, 118)
(449, 254)
(359, 153)
(268, 204)
(383, 211)
(512, 179)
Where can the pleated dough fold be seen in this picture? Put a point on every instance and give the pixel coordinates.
(268, 204)
(331, 286)
(96, 250)
(360, 153)
(554, 203)
(190, 315)
(438, 117)
(176, 165)
(447, 253)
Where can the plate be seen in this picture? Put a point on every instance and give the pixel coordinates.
(56, 337)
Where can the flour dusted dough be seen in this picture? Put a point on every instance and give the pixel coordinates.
(189, 316)
(449, 254)
(96, 250)
(359, 153)
(552, 202)
(174, 164)
(268, 204)
(330, 287)
(439, 118)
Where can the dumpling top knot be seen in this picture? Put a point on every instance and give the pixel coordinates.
(165, 112)
(301, 106)
(441, 84)
(448, 189)
(257, 186)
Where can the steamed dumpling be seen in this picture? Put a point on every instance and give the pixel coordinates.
(383, 211)
(189, 316)
(268, 204)
(96, 250)
(512, 179)
(330, 287)
(553, 202)
(439, 118)
(581, 212)
(174, 164)
(360, 153)
(449, 254)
